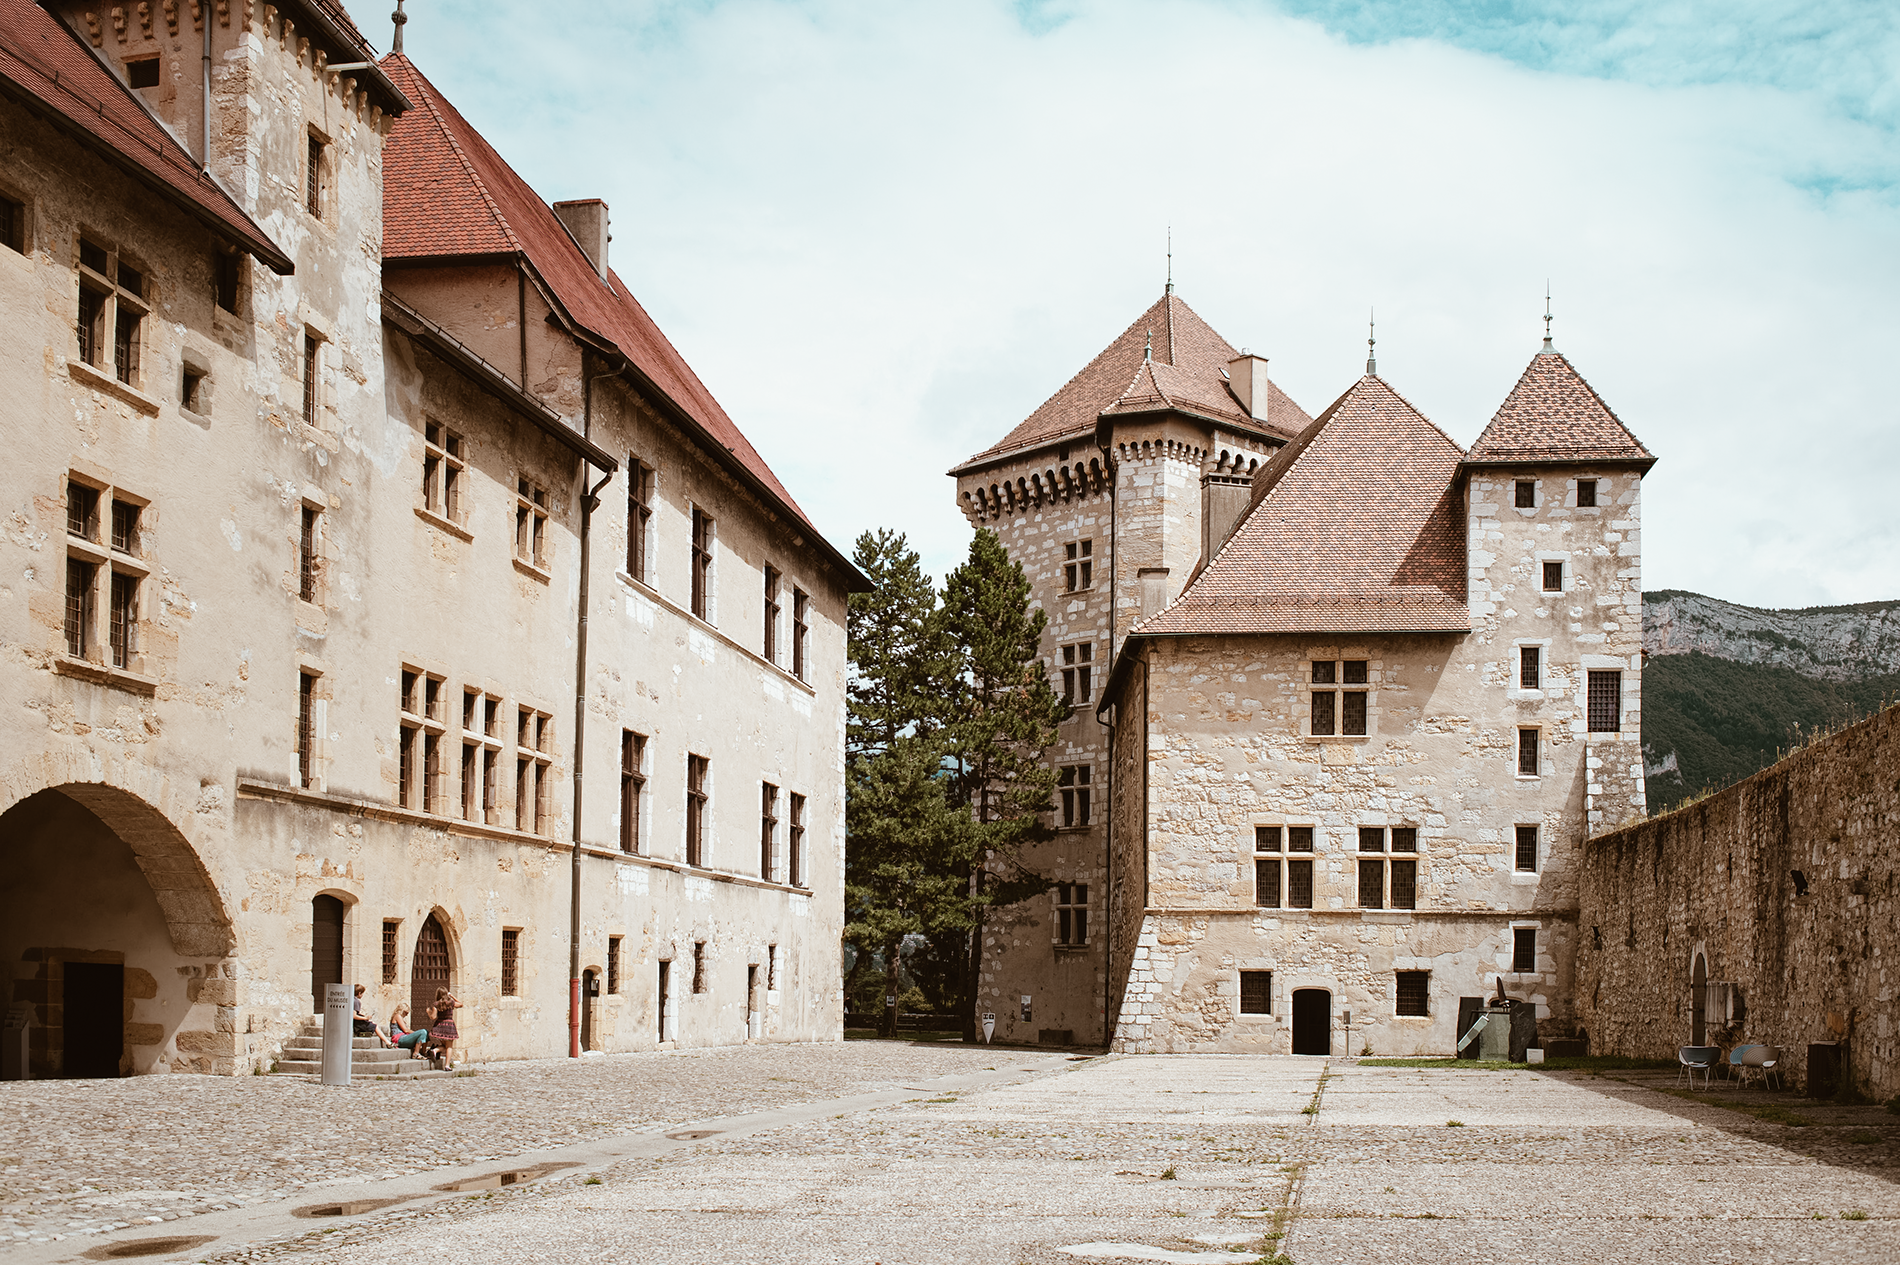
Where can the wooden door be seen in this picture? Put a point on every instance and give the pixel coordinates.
(326, 947)
(1312, 1021)
(428, 971)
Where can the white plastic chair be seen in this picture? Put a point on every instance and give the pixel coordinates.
(1696, 1058)
(1761, 1062)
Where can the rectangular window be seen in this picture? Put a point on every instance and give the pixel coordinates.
(406, 766)
(13, 225)
(1299, 838)
(79, 599)
(1299, 884)
(1530, 668)
(1256, 992)
(491, 786)
(524, 793)
(534, 774)
(531, 523)
(1605, 698)
(91, 326)
(613, 965)
(1072, 913)
(768, 831)
(112, 308)
(306, 729)
(390, 929)
(510, 962)
(142, 72)
(1324, 725)
(1078, 673)
(191, 395)
(313, 178)
(1524, 950)
(1353, 671)
(310, 346)
(1352, 713)
(1404, 883)
(1266, 882)
(1527, 849)
(307, 555)
(633, 783)
(801, 629)
(700, 982)
(696, 769)
(227, 267)
(125, 345)
(122, 621)
(1414, 993)
(1527, 752)
(82, 511)
(1586, 493)
(771, 968)
(431, 773)
(1371, 883)
(1372, 838)
(1266, 838)
(471, 781)
(1073, 782)
(771, 614)
(1405, 838)
(1553, 577)
(1078, 569)
(795, 857)
(702, 563)
(1526, 494)
(639, 517)
(444, 471)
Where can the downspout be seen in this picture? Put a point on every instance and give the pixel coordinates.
(589, 500)
(521, 316)
(1104, 440)
(205, 153)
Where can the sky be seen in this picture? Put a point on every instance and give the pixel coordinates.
(883, 233)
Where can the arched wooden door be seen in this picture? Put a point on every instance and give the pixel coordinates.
(428, 971)
(326, 947)
(1699, 1002)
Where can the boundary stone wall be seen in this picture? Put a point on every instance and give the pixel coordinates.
(1786, 884)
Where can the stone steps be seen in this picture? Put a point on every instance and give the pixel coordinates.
(369, 1058)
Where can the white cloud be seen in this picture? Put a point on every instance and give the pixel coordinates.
(883, 234)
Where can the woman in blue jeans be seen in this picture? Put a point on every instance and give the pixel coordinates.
(404, 1037)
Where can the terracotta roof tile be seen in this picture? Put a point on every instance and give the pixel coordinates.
(446, 193)
(1552, 414)
(1185, 370)
(1355, 527)
(45, 66)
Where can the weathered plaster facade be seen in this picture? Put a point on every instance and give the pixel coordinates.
(167, 811)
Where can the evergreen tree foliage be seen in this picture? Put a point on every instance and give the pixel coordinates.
(899, 656)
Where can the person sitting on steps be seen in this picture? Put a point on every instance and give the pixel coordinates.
(406, 1038)
(362, 1025)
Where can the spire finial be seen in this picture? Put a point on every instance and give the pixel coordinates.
(1170, 289)
(1148, 352)
(399, 18)
(1547, 342)
(1372, 363)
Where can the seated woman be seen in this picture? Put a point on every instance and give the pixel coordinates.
(405, 1037)
(361, 1024)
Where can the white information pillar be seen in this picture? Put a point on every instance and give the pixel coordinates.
(338, 1040)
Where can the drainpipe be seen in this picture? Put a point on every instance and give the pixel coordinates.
(590, 500)
(205, 154)
(1104, 439)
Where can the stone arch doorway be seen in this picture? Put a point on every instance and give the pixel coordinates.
(113, 935)
(326, 946)
(429, 970)
(1699, 1001)
(1312, 1021)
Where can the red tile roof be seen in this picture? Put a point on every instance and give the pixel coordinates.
(1357, 526)
(447, 193)
(1168, 359)
(46, 67)
(1552, 414)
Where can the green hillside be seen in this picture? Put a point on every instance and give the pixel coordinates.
(1725, 720)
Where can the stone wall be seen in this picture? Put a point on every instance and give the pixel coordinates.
(1785, 884)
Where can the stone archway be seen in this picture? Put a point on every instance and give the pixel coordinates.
(113, 933)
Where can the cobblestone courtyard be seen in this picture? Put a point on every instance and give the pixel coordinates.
(876, 1152)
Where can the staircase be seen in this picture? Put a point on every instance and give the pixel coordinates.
(303, 1056)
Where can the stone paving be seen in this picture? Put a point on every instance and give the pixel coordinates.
(1189, 1158)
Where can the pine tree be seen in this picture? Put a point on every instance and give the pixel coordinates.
(900, 659)
(1004, 720)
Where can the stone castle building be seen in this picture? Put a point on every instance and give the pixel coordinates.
(355, 511)
(1354, 698)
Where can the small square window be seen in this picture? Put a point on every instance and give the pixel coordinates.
(1355, 671)
(1323, 672)
(1266, 838)
(1405, 838)
(1527, 849)
(142, 73)
(1586, 493)
(1256, 992)
(1414, 988)
(1299, 838)
(1524, 950)
(1372, 838)
(1553, 577)
(1526, 494)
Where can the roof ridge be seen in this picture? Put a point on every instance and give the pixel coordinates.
(434, 102)
(1419, 411)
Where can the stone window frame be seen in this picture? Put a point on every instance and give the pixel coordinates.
(1309, 857)
(511, 961)
(1380, 843)
(643, 483)
(768, 831)
(795, 864)
(1590, 680)
(633, 785)
(1629, 692)
(1536, 487)
(1069, 920)
(1269, 880)
(1076, 663)
(98, 344)
(1075, 793)
(533, 542)
(614, 945)
(534, 769)
(308, 747)
(1078, 565)
(801, 632)
(153, 60)
(1264, 989)
(1514, 684)
(102, 632)
(1596, 484)
(1518, 941)
(1399, 994)
(319, 181)
(1333, 677)
(771, 609)
(1538, 839)
(444, 473)
(698, 809)
(1534, 734)
(1563, 558)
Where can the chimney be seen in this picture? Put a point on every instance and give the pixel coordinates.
(1248, 374)
(586, 220)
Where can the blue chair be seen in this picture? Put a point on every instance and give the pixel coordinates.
(1696, 1058)
(1738, 1063)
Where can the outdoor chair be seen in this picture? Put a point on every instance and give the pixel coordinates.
(1758, 1062)
(1696, 1058)
(1735, 1065)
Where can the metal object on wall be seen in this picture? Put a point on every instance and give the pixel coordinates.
(338, 1038)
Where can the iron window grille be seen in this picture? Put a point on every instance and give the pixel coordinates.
(613, 964)
(510, 962)
(1405, 867)
(313, 177)
(1072, 913)
(311, 356)
(1553, 577)
(1530, 665)
(1527, 752)
(1256, 992)
(1414, 993)
(391, 928)
(306, 729)
(1266, 867)
(307, 555)
(1526, 849)
(1078, 570)
(1073, 782)
(1340, 713)
(1523, 950)
(1604, 696)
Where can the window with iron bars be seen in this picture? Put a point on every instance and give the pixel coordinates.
(1266, 866)
(1527, 761)
(1299, 870)
(1341, 713)
(306, 729)
(1530, 664)
(1524, 950)
(1072, 913)
(312, 357)
(307, 554)
(391, 929)
(1527, 849)
(1604, 697)
(613, 964)
(510, 961)
(1414, 993)
(1256, 992)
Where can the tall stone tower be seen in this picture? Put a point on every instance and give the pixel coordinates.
(1110, 495)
